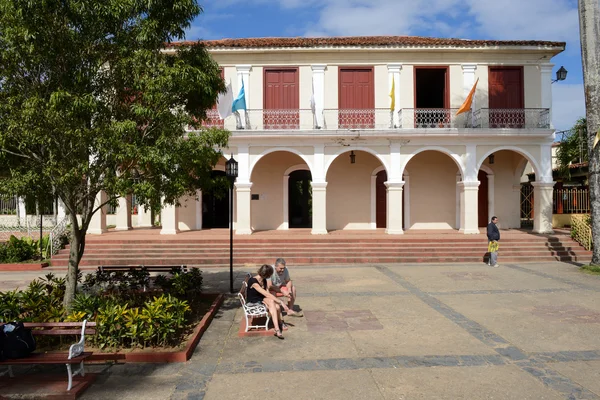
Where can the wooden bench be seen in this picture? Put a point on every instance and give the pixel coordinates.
(149, 268)
(252, 312)
(76, 354)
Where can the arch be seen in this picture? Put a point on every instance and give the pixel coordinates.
(273, 150)
(486, 169)
(297, 167)
(455, 157)
(286, 192)
(520, 170)
(365, 149)
(377, 170)
(524, 153)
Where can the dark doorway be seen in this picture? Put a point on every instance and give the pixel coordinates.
(300, 199)
(431, 97)
(482, 199)
(215, 208)
(381, 200)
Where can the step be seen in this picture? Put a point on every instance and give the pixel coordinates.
(312, 259)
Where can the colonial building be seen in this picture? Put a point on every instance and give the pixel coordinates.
(361, 133)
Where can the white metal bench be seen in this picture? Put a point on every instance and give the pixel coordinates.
(76, 354)
(252, 312)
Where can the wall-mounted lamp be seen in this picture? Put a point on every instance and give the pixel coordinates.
(561, 75)
(352, 157)
(491, 159)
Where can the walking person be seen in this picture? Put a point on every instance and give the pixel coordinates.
(493, 235)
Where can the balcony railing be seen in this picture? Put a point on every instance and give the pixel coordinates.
(512, 118)
(432, 118)
(382, 119)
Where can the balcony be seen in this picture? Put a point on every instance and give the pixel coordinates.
(382, 119)
(511, 118)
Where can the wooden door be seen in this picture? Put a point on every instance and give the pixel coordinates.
(356, 98)
(482, 199)
(507, 97)
(281, 99)
(381, 200)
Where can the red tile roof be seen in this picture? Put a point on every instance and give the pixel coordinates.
(366, 41)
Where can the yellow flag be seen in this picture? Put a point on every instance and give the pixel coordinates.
(596, 139)
(393, 95)
(466, 106)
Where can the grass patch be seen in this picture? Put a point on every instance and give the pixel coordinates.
(591, 269)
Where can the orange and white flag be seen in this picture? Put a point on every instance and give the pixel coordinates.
(466, 106)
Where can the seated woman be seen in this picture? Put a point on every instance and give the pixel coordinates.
(258, 294)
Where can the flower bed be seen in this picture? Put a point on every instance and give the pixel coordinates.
(133, 313)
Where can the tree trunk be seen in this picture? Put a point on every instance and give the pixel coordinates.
(75, 253)
(589, 26)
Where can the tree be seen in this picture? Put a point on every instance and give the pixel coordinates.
(93, 98)
(589, 28)
(572, 148)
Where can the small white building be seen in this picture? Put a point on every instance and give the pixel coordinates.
(349, 161)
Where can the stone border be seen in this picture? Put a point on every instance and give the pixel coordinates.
(23, 266)
(172, 356)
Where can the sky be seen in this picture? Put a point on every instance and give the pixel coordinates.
(554, 20)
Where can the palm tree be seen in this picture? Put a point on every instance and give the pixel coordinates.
(589, 27)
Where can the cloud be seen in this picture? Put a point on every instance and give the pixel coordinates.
(568, 105)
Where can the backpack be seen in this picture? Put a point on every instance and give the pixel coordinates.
(17, 342)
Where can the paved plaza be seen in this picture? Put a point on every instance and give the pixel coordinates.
(439, 331)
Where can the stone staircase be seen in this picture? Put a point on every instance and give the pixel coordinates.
(250, 250)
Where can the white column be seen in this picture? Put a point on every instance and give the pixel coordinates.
(319, 208)
(144, 217)
(243, 74)
(243, 195)
(542, 206)
(545, 164)
(394, 76)
(468, 77)
(98, 222)
(470, 160)
(169, 217)
(21, 210)
(318, 83)
(199, 209)
(243, 159)
(468, 207)
(61, 211)
(546, 76)
(394, 174)
(394, 207)
(318, 175)
(123, 217)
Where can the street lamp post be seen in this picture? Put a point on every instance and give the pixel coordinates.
(231, 171)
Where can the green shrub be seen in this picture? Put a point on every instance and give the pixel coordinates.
(17, 250)
(125, 316)
(181, 284)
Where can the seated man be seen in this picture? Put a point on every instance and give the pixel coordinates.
(280, 282)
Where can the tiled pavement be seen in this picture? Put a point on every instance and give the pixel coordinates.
(526, 331)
